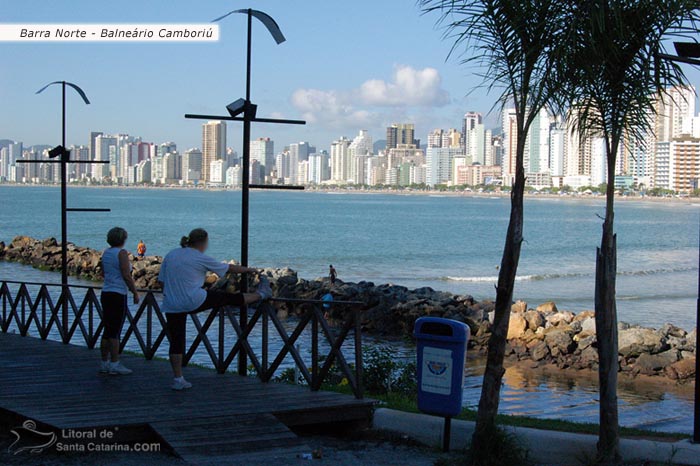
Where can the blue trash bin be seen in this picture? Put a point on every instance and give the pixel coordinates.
(441, 352)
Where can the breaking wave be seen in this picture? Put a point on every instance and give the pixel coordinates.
(552, 276)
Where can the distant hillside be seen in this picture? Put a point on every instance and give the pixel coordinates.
(379, 145)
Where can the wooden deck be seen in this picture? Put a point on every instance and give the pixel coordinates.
(223, 419)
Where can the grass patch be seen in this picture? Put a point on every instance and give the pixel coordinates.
(405, 403)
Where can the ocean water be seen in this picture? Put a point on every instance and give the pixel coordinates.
(446, 242)
(449, 243)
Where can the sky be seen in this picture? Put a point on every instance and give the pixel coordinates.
(345, 66)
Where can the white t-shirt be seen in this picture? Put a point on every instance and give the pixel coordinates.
(183, 272)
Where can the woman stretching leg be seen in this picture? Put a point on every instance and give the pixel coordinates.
(182, 275)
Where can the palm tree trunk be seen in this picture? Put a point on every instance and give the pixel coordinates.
(606, 331)
(491, 387)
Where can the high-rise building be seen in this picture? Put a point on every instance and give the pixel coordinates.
(192, 166)
(361, 144)
(452, 138)
(435, 138)
(105, 149)
(234, 176)
(509, 146)
(92, 144)
(469, 122)
(678, 164)
(213, 147)
(557, 150)
(172, 168)
(217, 171)
(537, 144)
(340, 160)
(263, 150)
(674, 113)
(319, 168)
(476, 143)
(298, 152)
(438, 162)
(400, 134)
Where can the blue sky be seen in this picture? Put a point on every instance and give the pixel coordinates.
(345, 66)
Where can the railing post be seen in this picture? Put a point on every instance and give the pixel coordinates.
(265, 342)
(357, 314)
(315, 383)
(64, 310)
(220, 360)
(91, 324)
(149, 325)
(242, 360)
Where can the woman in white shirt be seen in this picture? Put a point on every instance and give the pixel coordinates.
(116, 269)
(182, 275)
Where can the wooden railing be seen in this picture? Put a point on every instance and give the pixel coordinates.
(43, 312)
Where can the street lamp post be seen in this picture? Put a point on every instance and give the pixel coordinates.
(62, 157)
(689, 52)
(248, 110)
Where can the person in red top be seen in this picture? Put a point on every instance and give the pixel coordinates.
(141, 249)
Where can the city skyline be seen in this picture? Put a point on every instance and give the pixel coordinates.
(667, 157)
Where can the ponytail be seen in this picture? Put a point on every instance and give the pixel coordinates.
(196, 236)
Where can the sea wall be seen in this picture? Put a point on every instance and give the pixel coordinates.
(541, 335)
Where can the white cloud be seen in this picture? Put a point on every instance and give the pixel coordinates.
(408, 88)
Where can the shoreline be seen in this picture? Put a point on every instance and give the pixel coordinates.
(686, 200)
(542, 335)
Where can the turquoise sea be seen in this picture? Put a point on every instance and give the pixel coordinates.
(449, 243)
(446, 242)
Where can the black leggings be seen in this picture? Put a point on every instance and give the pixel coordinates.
(177, 321)
(113, 313)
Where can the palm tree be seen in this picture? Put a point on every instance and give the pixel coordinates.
(615, 77)
(517, 43)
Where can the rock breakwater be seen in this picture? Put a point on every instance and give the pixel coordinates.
(542, 335)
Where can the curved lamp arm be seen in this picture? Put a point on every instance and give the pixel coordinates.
(264, 18)
(74, 86)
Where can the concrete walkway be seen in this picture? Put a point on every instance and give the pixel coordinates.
(546, 447)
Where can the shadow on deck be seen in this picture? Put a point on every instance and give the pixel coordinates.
(224, 419)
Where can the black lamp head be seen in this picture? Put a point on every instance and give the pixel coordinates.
(687, 49)
(236, 107)
(239, 106)
(59, 151)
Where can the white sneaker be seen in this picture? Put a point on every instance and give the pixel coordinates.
(117, 368)
(180, 384)
(104, 367)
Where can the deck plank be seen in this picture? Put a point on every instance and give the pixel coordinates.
(224, 418)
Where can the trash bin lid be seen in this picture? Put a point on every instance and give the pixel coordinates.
(438, 328)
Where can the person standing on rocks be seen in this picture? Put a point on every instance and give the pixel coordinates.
(141, 249)
(117, 281)
(182, 275)
(332, 274)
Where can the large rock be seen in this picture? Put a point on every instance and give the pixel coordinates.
(519, 307)
(651, 363)
(637, 340)
(539, 351)
(547, 308)
(589, 356)
(534, 319)
(559, 342)
(557, 318)
(516, 326)
(681, 370)
(588, 326)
